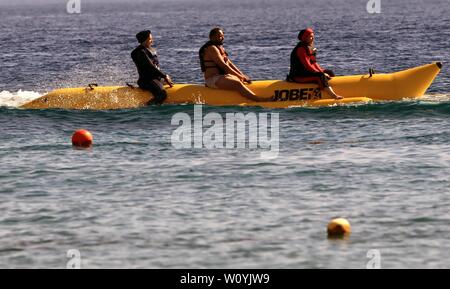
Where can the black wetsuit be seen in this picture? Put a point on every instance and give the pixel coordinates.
(149, 73)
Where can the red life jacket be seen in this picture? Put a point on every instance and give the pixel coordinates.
(297, 68)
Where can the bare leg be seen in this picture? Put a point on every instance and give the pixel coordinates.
(233, 83)
(332, 93)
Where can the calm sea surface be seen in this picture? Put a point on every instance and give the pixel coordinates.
(133, 200)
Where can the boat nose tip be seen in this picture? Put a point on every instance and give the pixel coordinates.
(439, 64)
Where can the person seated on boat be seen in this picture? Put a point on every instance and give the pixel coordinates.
(219, 71)
(304, 68)
(151, 77)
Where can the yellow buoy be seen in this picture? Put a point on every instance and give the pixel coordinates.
(338, 228)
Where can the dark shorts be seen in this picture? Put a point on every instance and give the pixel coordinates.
(314, 77)
(156, 88)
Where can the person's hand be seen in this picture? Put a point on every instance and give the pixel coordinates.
(246, 79)
(329, 72)
(168, 80)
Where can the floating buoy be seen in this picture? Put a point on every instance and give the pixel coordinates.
(82, 138)
(338, 228)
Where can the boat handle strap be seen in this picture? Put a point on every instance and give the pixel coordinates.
(130, 85)
(92, 85)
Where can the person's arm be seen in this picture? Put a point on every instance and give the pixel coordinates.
(328, 73)
(235, 67)
(214, 53)
(318, 67)
(243, 76)
(151, 69)
(147, 65)
(301, 54)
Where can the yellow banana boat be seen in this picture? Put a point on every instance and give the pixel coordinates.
(410, 83)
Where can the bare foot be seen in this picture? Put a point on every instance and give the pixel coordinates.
(332, 93)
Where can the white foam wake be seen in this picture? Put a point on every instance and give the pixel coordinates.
(16, 99)
(435, 98)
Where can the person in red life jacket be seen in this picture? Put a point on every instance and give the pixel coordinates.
(151, 77)
(218, 70)
(304, 68)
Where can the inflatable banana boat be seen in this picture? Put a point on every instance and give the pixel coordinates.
(410, 83)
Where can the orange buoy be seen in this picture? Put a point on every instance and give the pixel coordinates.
(338, 228)
(82, 138)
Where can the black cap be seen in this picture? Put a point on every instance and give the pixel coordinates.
(143, 35)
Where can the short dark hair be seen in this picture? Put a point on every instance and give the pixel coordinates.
(214, 31)
(143, 35)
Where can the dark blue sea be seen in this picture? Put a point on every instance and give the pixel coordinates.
(135, 201)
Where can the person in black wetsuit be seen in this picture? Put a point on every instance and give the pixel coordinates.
(151, 77)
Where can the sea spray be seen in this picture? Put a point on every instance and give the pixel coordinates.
(16, 99)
